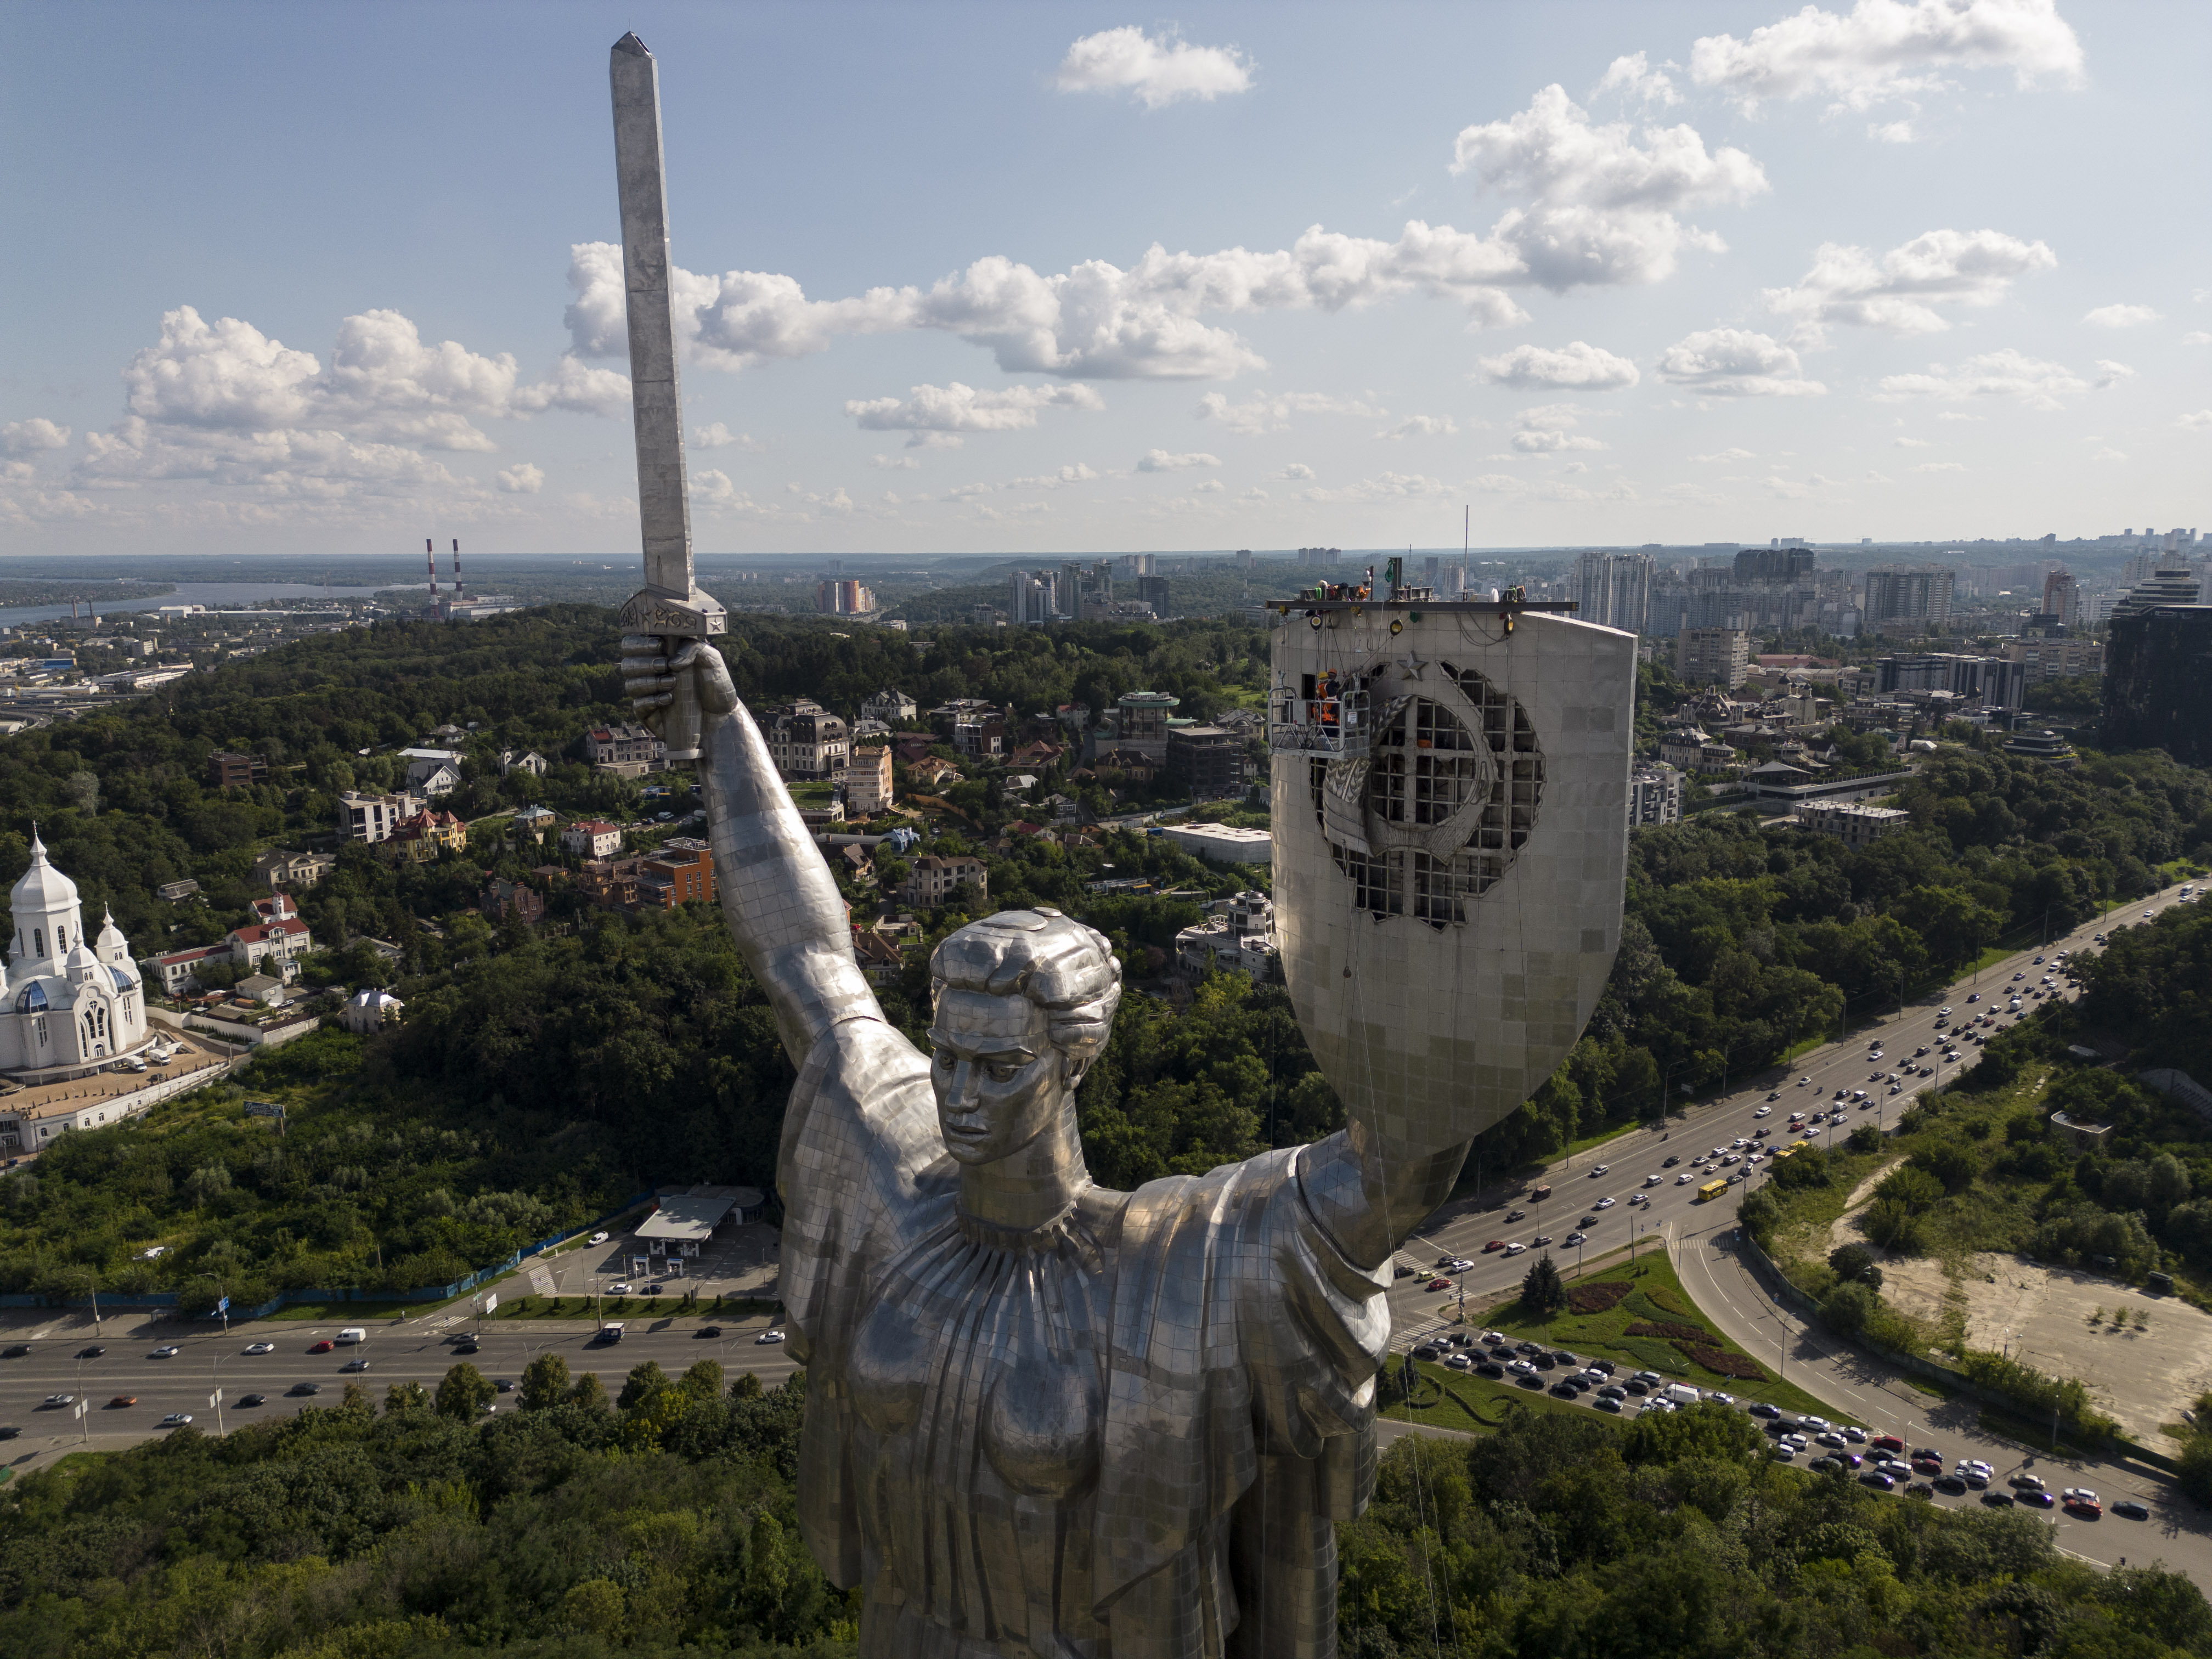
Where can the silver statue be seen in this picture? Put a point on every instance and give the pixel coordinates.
(1042, 1417)
(1045, 1419)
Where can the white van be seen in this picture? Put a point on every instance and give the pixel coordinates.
(352, 1334)
(1682, 1393)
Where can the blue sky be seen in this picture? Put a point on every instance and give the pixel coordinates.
(1066, 278)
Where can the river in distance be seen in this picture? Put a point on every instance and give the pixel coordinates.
(216, 596)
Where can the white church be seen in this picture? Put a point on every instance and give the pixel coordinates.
(71, 1004)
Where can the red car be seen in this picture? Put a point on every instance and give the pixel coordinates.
(1440, 1283)
(324, 1347)
(2080, 1500)
(1888, 1443)
(1494, 1245)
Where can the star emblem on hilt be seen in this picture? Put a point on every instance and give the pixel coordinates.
(1412, 665)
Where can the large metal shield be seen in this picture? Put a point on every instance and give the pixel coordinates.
(1448, 871)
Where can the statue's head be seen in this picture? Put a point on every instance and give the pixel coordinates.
(1023, 1002)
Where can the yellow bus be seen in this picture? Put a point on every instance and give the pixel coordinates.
(1711, 1189)
(1790, 1150)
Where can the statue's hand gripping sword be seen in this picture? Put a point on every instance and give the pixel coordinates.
(670, 605)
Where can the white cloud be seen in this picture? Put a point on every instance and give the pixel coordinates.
(2122, 316)
(896, 463)
(1632, 76)
(1941, 466)
(1159, 71)
(1298, 469)
(1725, 455)
(2201, 418)
(2112, 374)
(521, 479)
(1211, 487)
(1272, 412)
(2197, 337)
(1910, 443)
(1886, 49)
(1735, 362)
(713, 491)
(1602, 208)
(2006, 374)
(1158, 460)
(1580, 365)
(1891, 132)
(1899, 292)
(2108, 455)
(1080, 472)
(30, 437)
(1391, 486)
(1550, 427)
(1253, 496)
(1423, 426)
(939, 413)
(719, 436)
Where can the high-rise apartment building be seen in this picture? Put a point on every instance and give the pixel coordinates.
(841, 597)
(1775, 564)
(2173, 583)
(2061, 597)
(1035, 598)
(2158, 670)
(1153, 591)
(1713, 656)
(1613, 590)
(1905, 601)
(2060, 658)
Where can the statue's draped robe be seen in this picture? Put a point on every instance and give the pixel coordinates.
(1124, 1436)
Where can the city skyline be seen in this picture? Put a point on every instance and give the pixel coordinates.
(1670, 276)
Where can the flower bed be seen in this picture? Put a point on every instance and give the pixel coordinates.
(1598, 1297)
(1727, 1364)
(1668, 1329)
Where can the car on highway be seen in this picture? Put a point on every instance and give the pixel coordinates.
(2080, 1500)
(1519, 1249)
(1458, 1264)
(1640, 1198)
(121, 1400)
(767, 1337)
(1540, 1241)
(2131, 1509)
(253, 1399)
(1587, 1221)
(1574, 1239)
(1997, 1500)
(2041, 1500)
(15, 1350)
(620, 1287)
(1439, 1283)
(324, 1347)
(177, 1420)
(90, 1354)
(1605, 1204)
(305, 1389)
(166, 1351)
(1766, 1111)
(1685, 1178)
(1653, 1179)
(1516, 1215)
(1597, 1170)
(1669, 1163)
(467, 1345)
(1976, 997)
(1887, 1443)
(1494, 1245)
(355, 1365)
(261, 1347)
(1878, 1479)
(56, 1401)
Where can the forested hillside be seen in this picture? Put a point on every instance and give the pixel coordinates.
(662, 1524)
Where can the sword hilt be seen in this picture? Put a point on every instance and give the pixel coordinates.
(681, 725)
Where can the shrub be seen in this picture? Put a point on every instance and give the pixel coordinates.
(1668, 1329)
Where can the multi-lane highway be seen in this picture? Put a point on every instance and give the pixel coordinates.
(414, 1350)
(1700, 1238)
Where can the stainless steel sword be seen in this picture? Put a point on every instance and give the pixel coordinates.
(670, 604)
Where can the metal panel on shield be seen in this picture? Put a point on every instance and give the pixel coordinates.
(1449, 901)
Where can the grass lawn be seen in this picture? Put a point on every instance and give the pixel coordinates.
(1448, 1398)
(1575, 1148)
(343, 1313)
(1655, 1296)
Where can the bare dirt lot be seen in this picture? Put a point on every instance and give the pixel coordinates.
(2144, 1377)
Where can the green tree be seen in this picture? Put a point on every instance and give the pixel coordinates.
(645, 1379)
(544, 1382)
(1854, 1264)
(596, 1607)
(702, 1380)
(588, 1392)
(464, 1392)
(1847, 1308)
(747, 1387)
(405, 1397)
(1542, 1294)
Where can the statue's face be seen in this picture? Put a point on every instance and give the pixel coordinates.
(999, 1081)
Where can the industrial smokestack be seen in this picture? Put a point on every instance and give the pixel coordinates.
(430, 564)
(457, 568)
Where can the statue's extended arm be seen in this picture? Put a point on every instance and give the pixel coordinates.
(1373, 1181)
(784, 909)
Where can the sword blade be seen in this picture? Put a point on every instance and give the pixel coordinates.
(664, 506)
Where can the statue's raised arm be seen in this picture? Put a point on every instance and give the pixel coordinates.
(782, 903)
